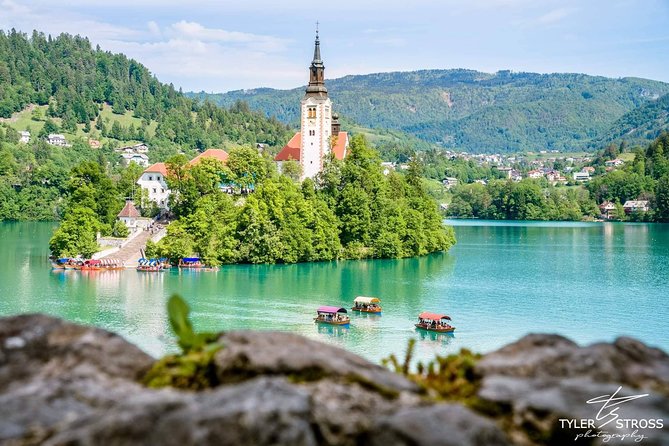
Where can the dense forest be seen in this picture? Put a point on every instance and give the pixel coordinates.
(478, 112)
(69, 85)
(645, 178)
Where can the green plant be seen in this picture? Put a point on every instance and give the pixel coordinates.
(188, 340)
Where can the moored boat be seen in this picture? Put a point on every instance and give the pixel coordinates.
(112, 264)
(191, 262)
(91, 265)
(434, 322)
(151, 265)
(331, 315)
(365, 304)
(60, 263)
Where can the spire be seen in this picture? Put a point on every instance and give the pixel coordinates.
(317, 50)
(317, 71)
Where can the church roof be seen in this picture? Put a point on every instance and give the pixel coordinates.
(129, 210)
(157, 168)
(291, 151)
(219, 154)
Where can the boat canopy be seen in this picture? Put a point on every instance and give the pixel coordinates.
(366, 300)
(92, 262)
(331, 310)
(433, 316)
(65, 260)
(190, 259)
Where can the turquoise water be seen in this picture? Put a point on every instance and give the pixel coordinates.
(588, 281)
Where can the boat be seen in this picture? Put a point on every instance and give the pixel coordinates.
(365, 304)
(60, 263)
(91, 265)
(112, 264)
(434, 322)
(332, 315)
(191, 262)
(151, 265)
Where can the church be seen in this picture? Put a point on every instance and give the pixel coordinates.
(319, 134)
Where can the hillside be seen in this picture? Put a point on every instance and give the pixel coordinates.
(64, 85)
(641, 125)
(474, 111)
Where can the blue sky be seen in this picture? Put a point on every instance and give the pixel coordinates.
(221, 45)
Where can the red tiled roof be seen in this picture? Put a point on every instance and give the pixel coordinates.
(129, 210)
(291, 151)
(219, 154)
(157, 168)
(340, 148)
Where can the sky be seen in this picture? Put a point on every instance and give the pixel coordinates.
(223, 45)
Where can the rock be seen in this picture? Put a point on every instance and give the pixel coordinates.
(443, 425)
(542, 379)
(248, 354)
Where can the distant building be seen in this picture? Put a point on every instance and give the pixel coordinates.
(218, 154)
(387, 167)
(94, 143)
(505, 170)
(319, 134)
(588, 169)
(449, 182)
(154, 182)
(607, 210)
(129, 215)
(614, 163)
(24, 137)
(535, 174)
(515, 175)
(137, 158)
(636, 206)
(56, 139)
(581, 176)
(137, 148)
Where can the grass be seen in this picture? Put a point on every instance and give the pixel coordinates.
(23, 121)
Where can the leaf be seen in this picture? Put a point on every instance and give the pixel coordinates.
(177, 311)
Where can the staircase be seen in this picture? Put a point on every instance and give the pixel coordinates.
(131, 253)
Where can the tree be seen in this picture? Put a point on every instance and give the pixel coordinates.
(292, 169)
(120, 229)
(662, 199)
(247, 167)
(76, 234)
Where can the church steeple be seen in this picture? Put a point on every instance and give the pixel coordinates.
(317, 71)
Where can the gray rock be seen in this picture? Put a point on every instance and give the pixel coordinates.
(443, 425)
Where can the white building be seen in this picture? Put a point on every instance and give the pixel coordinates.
(319, 134)
(137, 158)
(24, 137)
(154, 182)
(56, 139)
(129, 215)
(582, 176)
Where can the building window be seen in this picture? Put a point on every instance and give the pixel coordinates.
(158, 177)
(154, 190)
(311, 112)
(162, 190)
(312, 132)
(150, 178)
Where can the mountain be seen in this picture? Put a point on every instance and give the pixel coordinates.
(640, 125)
(470, 110)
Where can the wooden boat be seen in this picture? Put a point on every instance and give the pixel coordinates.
(191, 262)
(60, 263)
(151, 265)
(112, 264)
(331, 315)
(367, 305)
(91, 265)
(434, 322)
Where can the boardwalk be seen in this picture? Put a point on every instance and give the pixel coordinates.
(131, 252)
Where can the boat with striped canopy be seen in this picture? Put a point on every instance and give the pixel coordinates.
(151, 265)
(366, 304)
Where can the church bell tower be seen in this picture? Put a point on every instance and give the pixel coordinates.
(316, 118)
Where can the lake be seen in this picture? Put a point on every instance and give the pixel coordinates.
(587, 281)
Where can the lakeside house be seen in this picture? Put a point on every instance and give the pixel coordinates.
(57, 139)
(631, 206)
(607, 210)
(24, 137)
(129, 215)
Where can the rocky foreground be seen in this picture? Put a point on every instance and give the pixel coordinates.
(65, 384)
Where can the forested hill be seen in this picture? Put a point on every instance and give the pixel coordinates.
(475, 111)
(75, 80)
(641, 125)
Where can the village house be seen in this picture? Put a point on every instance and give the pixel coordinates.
(449, 182)
(614, 163)
(607, 210)
(631, 206)
(24, 137)
(94, 143)
(319, 134)
(582, 176)
(129, 215)
(137, 158)
(56, 139)
(535, 174)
